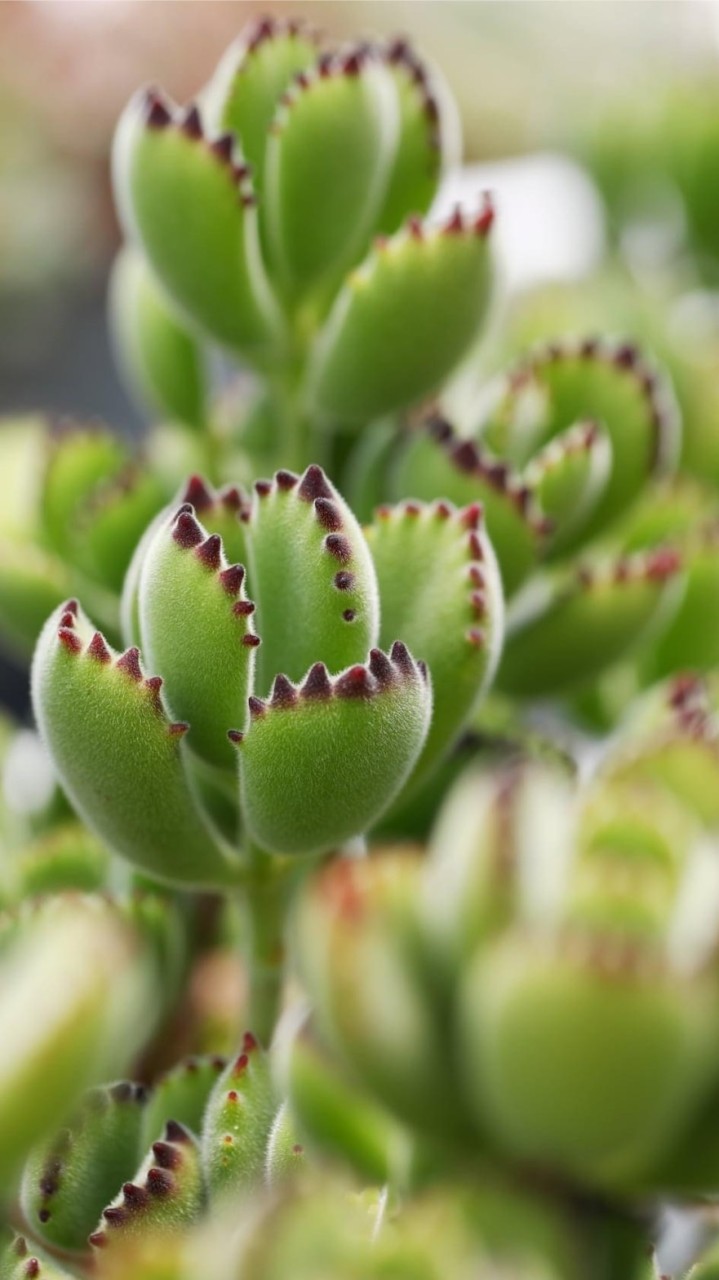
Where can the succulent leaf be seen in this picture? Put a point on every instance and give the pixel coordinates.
(312, 578)
(568, 477)
(20, 1261)
(607, 382)
(68, 1181)
(181, 1094)
(329, 150)
(440, 590)
(33, 582)
(118, 755)
(82, 977)
(162, 361)
(285, 1155)
(419, 157)
(255, 71)
(190, 205)
(381, 349)
(564, 629)
(196, 627)
(239, 1116)
(167, 1193)
(352, 740)
(436, 462)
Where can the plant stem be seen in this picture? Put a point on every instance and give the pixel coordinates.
(267, 891)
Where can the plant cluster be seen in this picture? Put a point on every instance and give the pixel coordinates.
(315, 672)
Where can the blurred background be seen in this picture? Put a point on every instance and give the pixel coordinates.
(596, 124)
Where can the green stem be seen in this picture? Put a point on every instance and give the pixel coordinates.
(267, 891)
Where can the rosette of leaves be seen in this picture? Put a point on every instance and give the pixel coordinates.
(77, 498)
(566, 444)
(282, 219)
(540, 990)
(310, 676)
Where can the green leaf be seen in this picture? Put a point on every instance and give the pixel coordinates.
(381, 348)
(609, 383)
(163, 364)
(76, 1002)
(167, 1193)
(436, 463)
(117, 754)
(564, 629)
(192, 209)
(238, 1119)
(285, 1155)
(255, 71)
(321, 762)
(196, 627)
(330, 146)
(572, 1057)
(312, 578)
(32, 583)
(68, 1181)
(18, 1260)
(180, 1094)
(568, 477)
(424, 138)
(440, 590)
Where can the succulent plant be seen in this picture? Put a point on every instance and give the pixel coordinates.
(280, 219)
(283, 724)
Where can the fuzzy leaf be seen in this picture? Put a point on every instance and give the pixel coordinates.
(321, 762)
(118, 755)
(68, 1181)
(568, 478)
(196, 627)
(181, 1095)
(329, 149)
(312, 578)
(440, 590)
(76, 969)
(381, 348)
(574, 1058)
(611, 384)
(255, 71)
(418, 161)
(167, 1193)
(285, 1155)
(564, 630)
(32, 583)
(162, 362)
(19, 1261)
(436, 463)
(238, 1119)
(192, 210)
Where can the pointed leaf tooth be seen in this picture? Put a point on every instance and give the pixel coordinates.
(286, 479)
(317, 683)
(187, 531)
(314, 484)
(263, 488)
(251, 641)
(232, 579)
(98, 648)
(158, 109)
(70, 640)
(328, 514)
(381, 667)
(343, 580)
(129, 663)
(191, 123)
(197, 493)
(339, 547)
(284, 693)
(355, 682)
(243, 608)
(256, 706)
(209, 552)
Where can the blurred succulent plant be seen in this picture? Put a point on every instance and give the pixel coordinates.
(541, 989)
